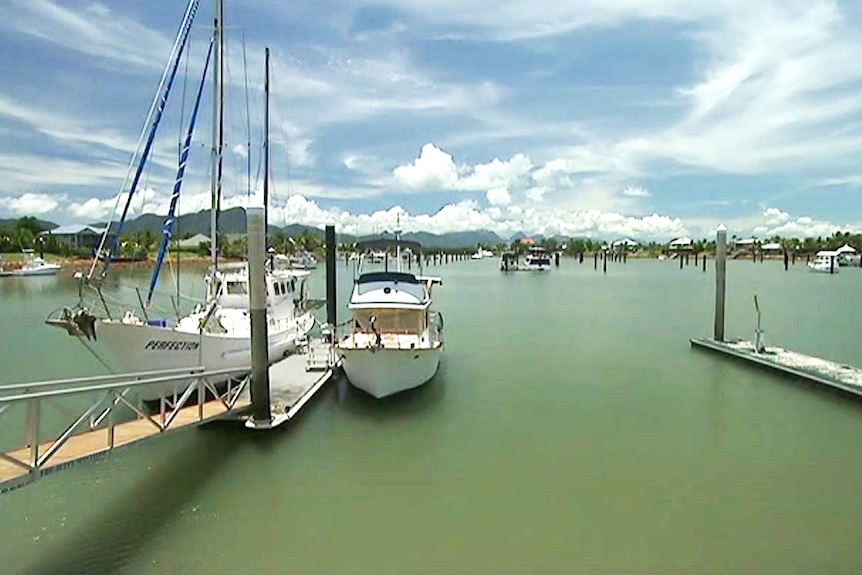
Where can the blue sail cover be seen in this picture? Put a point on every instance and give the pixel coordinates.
(187, 25)
(167, 232)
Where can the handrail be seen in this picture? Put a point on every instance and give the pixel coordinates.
(109, 377)
(119, 385)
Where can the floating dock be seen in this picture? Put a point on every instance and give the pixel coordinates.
(294, 380)
(843, 377)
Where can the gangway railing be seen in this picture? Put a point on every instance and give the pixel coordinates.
(114, 415)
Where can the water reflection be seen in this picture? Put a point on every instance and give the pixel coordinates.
(32, 285)
(401, 405)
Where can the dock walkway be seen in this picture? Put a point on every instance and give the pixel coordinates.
(93, 432)
(813, 369)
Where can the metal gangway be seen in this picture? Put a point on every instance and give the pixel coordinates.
(48, 425)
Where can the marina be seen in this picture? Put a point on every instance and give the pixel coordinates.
(604, 430)
(256, 378)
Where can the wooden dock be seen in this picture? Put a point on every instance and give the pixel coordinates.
(835, 375)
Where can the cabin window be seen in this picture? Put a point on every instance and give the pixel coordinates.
(236, 288)
(284, 287)
(408, 321)
(277, 287)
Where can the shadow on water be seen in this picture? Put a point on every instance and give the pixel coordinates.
(136, 516)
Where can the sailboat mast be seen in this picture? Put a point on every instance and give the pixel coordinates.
(266, 152)
(215, 183)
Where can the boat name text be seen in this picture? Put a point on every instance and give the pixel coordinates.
(156, 345)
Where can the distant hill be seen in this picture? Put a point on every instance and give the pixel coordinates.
(11, 222)
(233, 221)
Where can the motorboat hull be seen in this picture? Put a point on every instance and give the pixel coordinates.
(48, 270)
(382, 372)
(133, 348)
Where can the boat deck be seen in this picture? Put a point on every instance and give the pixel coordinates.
(363, 340)
(845, 378)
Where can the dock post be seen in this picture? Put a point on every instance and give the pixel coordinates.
(595, 260)
(703, 261)
(331, 307)
(605, 263)
(557, 259)
(260, 414)
(786, 259)
(720, 280)
(581, 257)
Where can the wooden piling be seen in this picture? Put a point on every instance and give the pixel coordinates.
(720, 281)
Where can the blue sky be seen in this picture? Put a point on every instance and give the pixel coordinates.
(651, 119)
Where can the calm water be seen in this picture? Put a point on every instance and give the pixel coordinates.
(570, 429)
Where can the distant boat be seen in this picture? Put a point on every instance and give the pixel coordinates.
(33, 266)
(481, 253)
(825, 262)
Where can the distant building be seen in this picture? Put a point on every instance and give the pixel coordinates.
(527, 241)
(625, 244)
(77, 237)
(193, 242)
(681, 244)
(772, 248)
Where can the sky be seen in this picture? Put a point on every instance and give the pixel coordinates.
(643, 118)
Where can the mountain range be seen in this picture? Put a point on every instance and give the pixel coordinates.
(233, 221)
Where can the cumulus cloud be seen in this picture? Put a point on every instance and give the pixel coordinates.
(434, 168)
(499, 197)
(30, 204)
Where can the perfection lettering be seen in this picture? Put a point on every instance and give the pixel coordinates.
(156, 345)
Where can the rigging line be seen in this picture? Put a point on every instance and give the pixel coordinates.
(152, 134)
(286, 140)
(169, 221)
(247, 122)
(179, 41)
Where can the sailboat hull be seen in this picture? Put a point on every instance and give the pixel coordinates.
(384, 372)
(132, 348)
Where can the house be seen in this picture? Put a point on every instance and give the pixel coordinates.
(772, 248)
(624, 244)
(193, 242)
(77, 236)
(681, 244)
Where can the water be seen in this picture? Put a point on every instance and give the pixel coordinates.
(571, 428)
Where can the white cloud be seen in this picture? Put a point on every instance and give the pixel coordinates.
(96, 31)
(497, 174)
(433, 169)
(499, 197)
(30, 204)
(636, 192)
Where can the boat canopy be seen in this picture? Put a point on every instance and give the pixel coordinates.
(385, 243)
(395, 277)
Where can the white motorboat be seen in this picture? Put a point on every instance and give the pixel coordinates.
(33, 266)
(217, 333)
(482, 253)
(396, 339)
(825, 262)
(537, 259)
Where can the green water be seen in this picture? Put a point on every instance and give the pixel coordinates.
(571, 428)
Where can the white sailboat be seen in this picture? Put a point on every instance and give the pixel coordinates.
(396, 338)
(217, 333)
